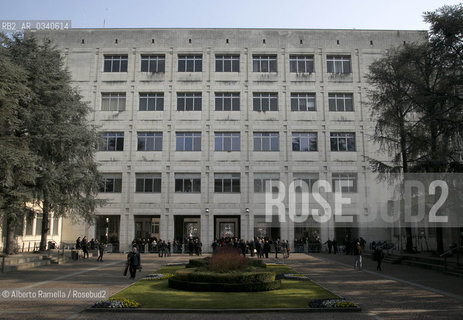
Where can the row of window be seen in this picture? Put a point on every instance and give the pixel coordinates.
(229, 141)
(226, 101)
(223, 182)
(229, 63)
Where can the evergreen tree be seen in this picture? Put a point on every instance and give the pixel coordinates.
(17, 163)
(64, 143)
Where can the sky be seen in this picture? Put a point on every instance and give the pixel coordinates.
(305, 14)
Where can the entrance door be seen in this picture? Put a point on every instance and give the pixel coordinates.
(146, 227)
(227, 227)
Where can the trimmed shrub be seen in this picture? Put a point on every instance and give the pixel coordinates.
(195, 275)
(223, 287)
(257, 263)
(196, 263)
(227, 259)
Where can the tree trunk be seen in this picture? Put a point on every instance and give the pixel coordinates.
(45, 223)
(9, 245)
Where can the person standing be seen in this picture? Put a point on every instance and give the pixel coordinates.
(78, 243)
(100, 247)
(277, 245)
(84, 245)
(266, 248)
(379, 256)
(133, 261)
(335, 246)
(330, 245)
(358, 256)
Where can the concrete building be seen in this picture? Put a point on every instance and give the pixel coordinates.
(195, 121)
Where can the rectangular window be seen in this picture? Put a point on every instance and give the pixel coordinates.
(112, 183)
(338, 64)
(187, 63)
(227, 63)
(264, 63)
(227, 101)
(301, 63)
(266, 141)
(151, 101)
(189, 101)
(227, 182)
(342, 141)
(260, 181)
(113, 101)
(309, 178)
(29, 225)
(152, 63)
(265, 101)
(38, 224)
(227, 141)
(115, 63)
(188, 141)
(112, 141)
(55, 226)
(303, 102)
(345, 182)
(340, 102)
(149, 141)
(148, 182)
(305, 141)
(188, 182)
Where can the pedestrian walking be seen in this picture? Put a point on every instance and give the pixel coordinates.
(84, 245)
(133, 262)
(358, 256)
(101, 248)
(378, 255)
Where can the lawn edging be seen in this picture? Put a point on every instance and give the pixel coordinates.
(156, 310)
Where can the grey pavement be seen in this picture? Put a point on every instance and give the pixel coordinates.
(399, 292)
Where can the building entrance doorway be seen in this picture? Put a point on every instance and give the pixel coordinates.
(227, 227)
(186, 227)
(147, 227)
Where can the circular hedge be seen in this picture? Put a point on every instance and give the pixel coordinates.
(195, 275)
(223, 287)
(195, 279)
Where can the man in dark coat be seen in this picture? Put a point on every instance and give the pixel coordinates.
(133, 260)
(266, 248)
(378, 255)
(100, 251)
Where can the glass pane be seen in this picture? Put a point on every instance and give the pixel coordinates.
(265, 143)
(296, 144)
(197, 185)
(256, 104)
(181, 65)
(226, 185)
(301, 66)
(197, 143)
(161, 65)
(120, 144)
(273, 65)
(235, 185)
(227, 143)
(148, 185)
(157, 185)
(150, 144)
(199, 66)
(332, 104)
(141, 144)
(144, 65)
(188, 143)
(351, 144)
(236, 143)
(179, 143)
(178, 185)
(116, 66)
(342, 144)
(187, 185)
(349, 104)
(117, 185)
(265, 104)
(218, 143)
(258, 185)
(255, 66)
(218, 65)
(294, 106)
(275, 146)
(107, 65)
(257, 144)
(139, 185)
(218, 104)
(124, 65)
(218, 185)
(293, 66)
(227, 104)
(236, 66)
(273, 104)
(334, 144)
(227, 65)
(329, 65)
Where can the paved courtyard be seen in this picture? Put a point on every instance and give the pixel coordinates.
(399, 292)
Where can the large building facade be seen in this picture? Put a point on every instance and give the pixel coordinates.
(195, 121)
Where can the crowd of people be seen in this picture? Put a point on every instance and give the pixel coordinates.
(260, 247)
(85, 245)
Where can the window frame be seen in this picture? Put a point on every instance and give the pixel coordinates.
(263, 178)
(117, 137)
(196, 61)
(311, 136)
(347, 137)
(338, 102)
(156, 60)
(107, 99)
(117, 62)
(183, 98)
(187, 135)
(265, 63)
(151, 181)
(345, 176)
(233, 179)
(143, 142)
(116, 183)
(194, 182)
(301, 61)
(262, 100)
(341, 61)
(222, 97)
(263, 137)
(221, 61)
(308, 98)
(235, 140)
(158, 98)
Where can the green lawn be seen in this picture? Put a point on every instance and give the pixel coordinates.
(157, 294)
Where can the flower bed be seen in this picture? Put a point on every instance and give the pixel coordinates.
(113, 303)
(294, 276)
(158, 276)
(332, 303)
